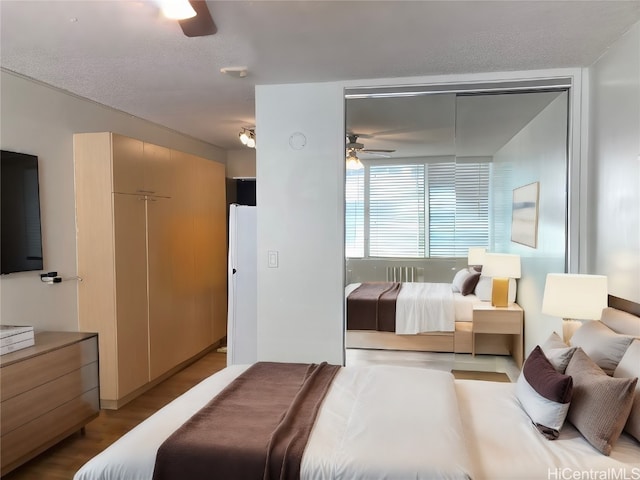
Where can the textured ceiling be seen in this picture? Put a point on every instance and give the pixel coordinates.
(125, 55)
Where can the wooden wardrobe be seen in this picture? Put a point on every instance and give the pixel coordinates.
(151, 235)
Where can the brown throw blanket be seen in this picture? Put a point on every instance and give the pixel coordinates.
(256, 428)
(372, 306)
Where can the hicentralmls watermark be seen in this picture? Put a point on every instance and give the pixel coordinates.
(620, 473)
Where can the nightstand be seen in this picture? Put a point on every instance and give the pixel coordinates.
(500, 320)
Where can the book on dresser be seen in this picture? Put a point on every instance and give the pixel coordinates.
(15, 337)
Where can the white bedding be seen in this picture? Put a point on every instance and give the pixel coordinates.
(504, 444)
(425, 307)
(463, 304)
(398, 423)
(375, 422)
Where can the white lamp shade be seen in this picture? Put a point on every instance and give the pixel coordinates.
(575, 296)
(502, 265)
(476, 255)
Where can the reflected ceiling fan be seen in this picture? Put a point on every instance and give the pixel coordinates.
(353, 148)
(192, 15)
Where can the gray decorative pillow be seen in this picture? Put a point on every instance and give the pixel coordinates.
(544, 394)
(557, 352)
(629, 367)
(604, 346)
(600, 404)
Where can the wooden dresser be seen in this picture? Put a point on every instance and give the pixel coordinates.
(47, 392)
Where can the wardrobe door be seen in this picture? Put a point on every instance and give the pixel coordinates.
(128, 164)
(183, 243)
(160, 172)
(211, 249)
(165, 327)
(131, 292)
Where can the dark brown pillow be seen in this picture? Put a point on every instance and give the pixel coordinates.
(469, 284)
(544, 393)
(600, 404)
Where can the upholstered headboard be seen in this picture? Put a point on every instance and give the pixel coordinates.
(624, 305)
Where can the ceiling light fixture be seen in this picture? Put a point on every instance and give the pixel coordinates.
(177, 9)
(248, 137)
(353, 162)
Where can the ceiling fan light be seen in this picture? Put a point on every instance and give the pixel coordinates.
(251, 142)
(177, 9)
(353, 162)
(244, 137)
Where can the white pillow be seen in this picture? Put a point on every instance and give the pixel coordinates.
(484, 288)
(459, 279)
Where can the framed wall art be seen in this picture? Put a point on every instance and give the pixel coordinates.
(524, 216)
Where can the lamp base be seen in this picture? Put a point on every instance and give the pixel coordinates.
(500, 292)
(569, 327)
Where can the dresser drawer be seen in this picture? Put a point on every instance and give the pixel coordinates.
(34, 437)
(23, 376)
(38, 401)
(497, 322)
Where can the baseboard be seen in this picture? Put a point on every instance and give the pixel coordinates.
(108, 404)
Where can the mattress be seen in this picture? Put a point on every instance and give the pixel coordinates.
(463, 304)
(375, 422)
(504, 444)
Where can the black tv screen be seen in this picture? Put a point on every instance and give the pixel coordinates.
(20, 233)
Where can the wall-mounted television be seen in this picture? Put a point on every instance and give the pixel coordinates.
(20, 232)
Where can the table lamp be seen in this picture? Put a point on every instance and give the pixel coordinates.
(476, 255)
(501, 267)
(574, 297)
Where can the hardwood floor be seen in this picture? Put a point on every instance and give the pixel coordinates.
(63, 460)
(435, 361)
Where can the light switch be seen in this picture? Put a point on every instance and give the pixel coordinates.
(272, 259)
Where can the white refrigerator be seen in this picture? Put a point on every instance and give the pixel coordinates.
(242, 347)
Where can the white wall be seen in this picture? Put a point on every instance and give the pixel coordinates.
(241, 163)
(40, 120)
(535, 154)
(301, 213)
(614, 203)
(300, 194)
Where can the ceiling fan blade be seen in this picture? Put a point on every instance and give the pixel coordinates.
(200, 25)
(376, 150)
(377, 153)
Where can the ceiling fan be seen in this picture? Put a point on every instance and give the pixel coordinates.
(192, 15)
(353, 147)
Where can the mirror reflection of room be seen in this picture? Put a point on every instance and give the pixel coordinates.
(429, 177)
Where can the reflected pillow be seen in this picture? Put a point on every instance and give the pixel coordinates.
(469, 284)
(459, 279)
(485, 286)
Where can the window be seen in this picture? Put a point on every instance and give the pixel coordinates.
(417, 210)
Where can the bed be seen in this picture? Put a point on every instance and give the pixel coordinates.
(386, 422)
(421, 316)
